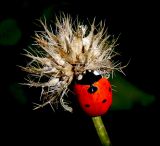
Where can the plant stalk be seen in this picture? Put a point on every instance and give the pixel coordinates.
(101, 131)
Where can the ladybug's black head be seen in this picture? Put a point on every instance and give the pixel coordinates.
(88, 77)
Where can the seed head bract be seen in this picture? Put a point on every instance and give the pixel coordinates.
(58, 56)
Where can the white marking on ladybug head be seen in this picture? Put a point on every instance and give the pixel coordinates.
(89, 70)
(96, 73)
(79, 77)
(84, 72)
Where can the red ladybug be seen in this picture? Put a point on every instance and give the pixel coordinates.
(94, 93)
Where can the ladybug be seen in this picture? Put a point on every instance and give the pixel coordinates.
(94, 93)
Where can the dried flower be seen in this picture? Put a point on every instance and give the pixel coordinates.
(57, 57)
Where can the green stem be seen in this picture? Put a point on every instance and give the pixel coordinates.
(101, 131)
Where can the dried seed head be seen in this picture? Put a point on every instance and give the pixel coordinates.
(68, 52)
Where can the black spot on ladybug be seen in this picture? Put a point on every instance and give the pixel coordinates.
(109, 89)
(104, 100)
(92, 89)
(87, 105)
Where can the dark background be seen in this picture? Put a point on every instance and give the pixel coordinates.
(137, 22)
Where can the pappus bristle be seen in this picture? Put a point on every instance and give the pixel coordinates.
(67, 52)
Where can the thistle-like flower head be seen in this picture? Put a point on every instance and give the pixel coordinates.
(57, 57)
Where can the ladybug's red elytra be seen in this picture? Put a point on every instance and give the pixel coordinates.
(94, 93)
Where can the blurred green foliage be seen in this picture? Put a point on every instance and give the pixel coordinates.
(10, 33)
(18, 93)
(125, 94)
(48, 12)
